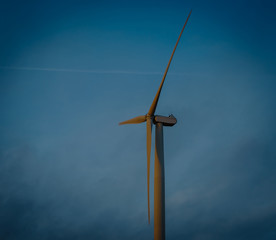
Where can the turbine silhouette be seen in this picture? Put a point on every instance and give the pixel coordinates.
(159, 178)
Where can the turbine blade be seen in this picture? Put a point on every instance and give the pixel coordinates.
(155, 100)
(149, 125)
(135, 120)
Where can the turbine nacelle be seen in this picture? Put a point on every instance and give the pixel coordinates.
(166, 121)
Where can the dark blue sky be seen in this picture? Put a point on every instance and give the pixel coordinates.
(70, 71)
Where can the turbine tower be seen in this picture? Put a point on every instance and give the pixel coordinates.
(159, 176)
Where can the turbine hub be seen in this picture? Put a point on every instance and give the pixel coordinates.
(166, 121)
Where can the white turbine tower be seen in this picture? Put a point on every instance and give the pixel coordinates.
(159, 176)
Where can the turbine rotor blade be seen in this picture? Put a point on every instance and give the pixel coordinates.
(155, 100)
(135, 120)
(149, 125)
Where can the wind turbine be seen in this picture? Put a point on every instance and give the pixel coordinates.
(159, 176)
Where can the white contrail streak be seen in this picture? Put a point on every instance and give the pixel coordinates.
(85, 71)
(79, 70)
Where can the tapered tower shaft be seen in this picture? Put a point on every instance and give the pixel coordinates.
(159, 185)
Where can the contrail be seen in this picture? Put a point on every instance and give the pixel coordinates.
(85, 71)
(79, 70)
